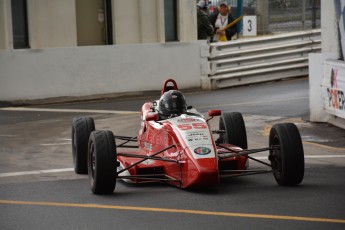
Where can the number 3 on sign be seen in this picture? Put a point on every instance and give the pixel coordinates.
(249, 26)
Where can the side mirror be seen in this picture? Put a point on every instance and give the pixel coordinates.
(151, 117)
(214, 113)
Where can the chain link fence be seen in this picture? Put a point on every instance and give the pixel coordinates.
(277, 16)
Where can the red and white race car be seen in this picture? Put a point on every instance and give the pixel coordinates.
(176, 145)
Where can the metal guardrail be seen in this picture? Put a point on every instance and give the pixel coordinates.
(262, 59)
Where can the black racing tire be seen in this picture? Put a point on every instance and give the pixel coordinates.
(288, 159)
(102, 162)
(235, 129)
(81, 130)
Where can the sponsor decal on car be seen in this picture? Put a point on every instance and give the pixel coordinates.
(202, 150)
(196, 136)
(185, 120)
(148, 146)
(160, 138)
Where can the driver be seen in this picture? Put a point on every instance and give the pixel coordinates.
(171, 103)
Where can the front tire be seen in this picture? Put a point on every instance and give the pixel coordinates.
(102, 162)
(235, 130)
(81, 130)
(287, 156)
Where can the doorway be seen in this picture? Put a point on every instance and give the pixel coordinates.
(94, 22)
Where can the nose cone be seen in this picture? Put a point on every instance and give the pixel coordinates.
(201, 173)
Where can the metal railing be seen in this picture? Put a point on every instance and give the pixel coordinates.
(262, 59)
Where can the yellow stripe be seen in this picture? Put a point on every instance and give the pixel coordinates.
(267, 130)
(323, 146)
(168, 210)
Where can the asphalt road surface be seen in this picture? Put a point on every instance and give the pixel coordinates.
(39, 189)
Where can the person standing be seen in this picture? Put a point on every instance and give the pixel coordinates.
(205, 29)
(221, 19)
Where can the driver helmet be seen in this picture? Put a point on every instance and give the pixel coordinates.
(172, 103)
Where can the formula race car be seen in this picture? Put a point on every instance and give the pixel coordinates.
(176, 145)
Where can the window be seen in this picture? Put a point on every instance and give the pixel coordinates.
(170, 9)
(20, 24)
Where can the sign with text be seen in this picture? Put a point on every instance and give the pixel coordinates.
(333, 88)
(249, 26)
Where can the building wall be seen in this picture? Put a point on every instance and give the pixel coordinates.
(187, 20)
(148, 14)
(66, 23)
(126, 21)
(90, 70)
(90, 30)
(5, 22)
(52, 23)
(137, 21)
(54, 65)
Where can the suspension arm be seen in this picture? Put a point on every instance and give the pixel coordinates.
(147, 157)
(152, 155)
(126, 139)
(245, 151)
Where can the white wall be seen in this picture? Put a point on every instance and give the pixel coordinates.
(79, 71)
(316, 100)
(330, 50)
(329, 26)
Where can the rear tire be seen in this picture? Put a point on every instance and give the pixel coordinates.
(235, 130)
(287, 160)
(102, 162)
(81, 130)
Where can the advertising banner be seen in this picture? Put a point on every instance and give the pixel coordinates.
(333, 88)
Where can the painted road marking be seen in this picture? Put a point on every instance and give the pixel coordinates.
(323, 146)
(170, 210)
(26, 109)
(24, 173)
(61, 139)
(252, 102)
(310, 157)
(35, 172)
(134, 112)
(53, 144)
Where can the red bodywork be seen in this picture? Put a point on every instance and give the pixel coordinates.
(181, 151)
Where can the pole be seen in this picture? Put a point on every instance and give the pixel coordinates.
(239, 13)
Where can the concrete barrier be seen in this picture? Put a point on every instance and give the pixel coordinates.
(80, 71)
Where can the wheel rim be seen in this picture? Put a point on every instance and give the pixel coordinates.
(92, 160)
(74, 147)
(276, 160)
(223, 134)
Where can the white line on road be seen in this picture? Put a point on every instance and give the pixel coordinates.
(35, 172)
(24, 173)
(309, 157)
(52, 144)
(252, 102)
(66, 110)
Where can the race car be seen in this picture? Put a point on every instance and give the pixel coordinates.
(176, 145)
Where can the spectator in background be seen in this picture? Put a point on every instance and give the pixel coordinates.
(205, 29)
(220, 19)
